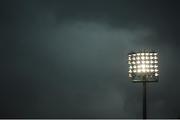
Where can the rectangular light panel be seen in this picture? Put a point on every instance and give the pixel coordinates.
(143, 65)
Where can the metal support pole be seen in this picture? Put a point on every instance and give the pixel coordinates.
(144, 100)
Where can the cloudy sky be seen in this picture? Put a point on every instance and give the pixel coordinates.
(68, 58)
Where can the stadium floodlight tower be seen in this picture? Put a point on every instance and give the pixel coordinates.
(143, 68)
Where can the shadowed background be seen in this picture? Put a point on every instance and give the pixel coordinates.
(68, 58)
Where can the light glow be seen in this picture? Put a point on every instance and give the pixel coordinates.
(155, 54)
(147, 57)
(156, 74)
(138, 62)
(152, 70)
(145, 63)
(151, 57)
(147, 66)
(143, 70)
(138, 58)
(142, 58)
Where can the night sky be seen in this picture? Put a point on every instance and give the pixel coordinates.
(68, 58)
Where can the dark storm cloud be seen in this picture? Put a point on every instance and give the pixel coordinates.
(68, 59)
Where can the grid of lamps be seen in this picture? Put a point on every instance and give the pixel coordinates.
(143, 64)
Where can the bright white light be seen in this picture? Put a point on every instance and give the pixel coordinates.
(156, 70)
(155, 57)
(142, 57)
(156, 74)
(147, 66)
(144, 63)
(143, 70)
(147, 61)
(130, 75)
(138, 58)
(138, 62)
(143, 66)
(147, 57)
(155, 53)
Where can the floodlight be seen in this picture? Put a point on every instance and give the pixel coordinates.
(140, 62)
(143, 68)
